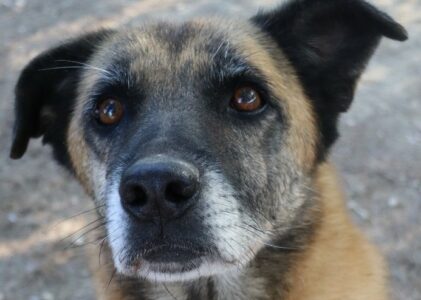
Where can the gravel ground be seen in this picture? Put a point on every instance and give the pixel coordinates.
(379, 154)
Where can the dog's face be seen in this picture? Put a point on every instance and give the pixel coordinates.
(198, 141)
(186, 132)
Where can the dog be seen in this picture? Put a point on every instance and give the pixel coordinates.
(205, 147)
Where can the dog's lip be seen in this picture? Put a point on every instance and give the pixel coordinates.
(161, 252)
(173, 253)
(172, 258)
(174, 267)
(147, 267)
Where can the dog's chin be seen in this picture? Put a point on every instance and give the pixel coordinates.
(171, 266)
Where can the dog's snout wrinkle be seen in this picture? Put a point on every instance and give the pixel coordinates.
(159, 187)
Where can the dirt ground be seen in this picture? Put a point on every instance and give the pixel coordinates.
(379, 154)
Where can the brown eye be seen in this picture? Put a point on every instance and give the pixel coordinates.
(109, 111)
(246, 99)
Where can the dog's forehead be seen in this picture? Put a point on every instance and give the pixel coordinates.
(182, 49)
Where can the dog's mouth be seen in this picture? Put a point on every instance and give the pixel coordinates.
(171, 266)
(163, 257)
(173, 253)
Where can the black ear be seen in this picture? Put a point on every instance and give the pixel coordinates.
(329, 43)
(46, 90)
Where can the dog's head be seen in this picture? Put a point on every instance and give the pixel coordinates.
(198, 141)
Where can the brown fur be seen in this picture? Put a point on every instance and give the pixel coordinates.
(339, 258)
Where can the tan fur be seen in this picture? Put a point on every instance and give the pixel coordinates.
(340, 263)
(78, 152)
(102, 271)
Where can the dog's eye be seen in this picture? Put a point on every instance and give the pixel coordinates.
(109, 111)
(246, 99)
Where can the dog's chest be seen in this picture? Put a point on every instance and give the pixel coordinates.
(216, 288)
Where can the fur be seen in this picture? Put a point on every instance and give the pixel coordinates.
(268, 221)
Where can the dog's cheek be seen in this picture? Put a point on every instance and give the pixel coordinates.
(99, 181)
(79, 155)
(222, 215)
(89, 170)
(274, 183)
(289, 192)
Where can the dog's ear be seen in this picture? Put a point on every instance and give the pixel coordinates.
(329, 43)
(46, 91)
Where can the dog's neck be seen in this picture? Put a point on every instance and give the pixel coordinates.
(234, 285)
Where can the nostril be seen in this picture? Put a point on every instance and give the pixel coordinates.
(180, 191)
(134, 195)
(159, 187)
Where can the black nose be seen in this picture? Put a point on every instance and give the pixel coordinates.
(159, 187)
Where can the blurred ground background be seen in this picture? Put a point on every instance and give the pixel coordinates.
(379, 154)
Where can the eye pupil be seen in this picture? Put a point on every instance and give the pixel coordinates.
(248, 96)
(109, 111)
(246, 99)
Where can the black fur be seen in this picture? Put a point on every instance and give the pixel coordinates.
(46, 91)
(329, 43)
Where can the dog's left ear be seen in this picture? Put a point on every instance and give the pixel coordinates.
(46, 90)
(329, 43)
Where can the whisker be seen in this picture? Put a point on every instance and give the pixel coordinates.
(103, 223)
(77, 215)
(104, 239)
(101, 248)
(169, 292)
(74, 245)
(281, 247)
(217, 50)
(255, 210)
(308, 188)
(84, 227)
(261, 238)
(64, 68)
(85, 65)
(112, 277)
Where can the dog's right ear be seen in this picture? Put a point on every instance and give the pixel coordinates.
(46, 90)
